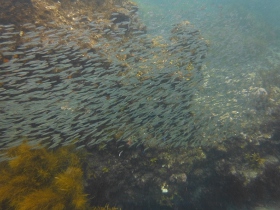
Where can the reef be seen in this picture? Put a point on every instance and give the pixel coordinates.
(19, 12)
(236, 174)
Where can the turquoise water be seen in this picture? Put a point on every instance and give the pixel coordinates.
(239, 31)
(243, 53)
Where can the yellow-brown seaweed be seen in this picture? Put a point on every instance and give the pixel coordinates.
(35, 178)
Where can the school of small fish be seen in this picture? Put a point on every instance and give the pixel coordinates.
(133, 88)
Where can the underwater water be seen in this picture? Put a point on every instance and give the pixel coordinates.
(238, 30)
(243, 51)
(164, 98)
(241, 72)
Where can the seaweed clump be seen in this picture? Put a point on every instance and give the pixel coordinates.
(35, 178)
